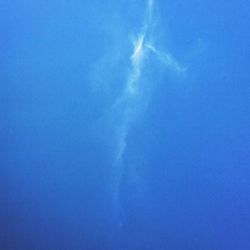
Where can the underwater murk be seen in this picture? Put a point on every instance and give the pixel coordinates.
(124, 125)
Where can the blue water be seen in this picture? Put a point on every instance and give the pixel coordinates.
(125, 125)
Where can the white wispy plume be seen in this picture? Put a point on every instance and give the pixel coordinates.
(126, 103)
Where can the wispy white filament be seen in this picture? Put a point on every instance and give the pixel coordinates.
(128, 105)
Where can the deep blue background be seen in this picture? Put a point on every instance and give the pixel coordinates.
(191, 147)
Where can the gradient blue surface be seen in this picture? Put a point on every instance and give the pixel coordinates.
(185, 171)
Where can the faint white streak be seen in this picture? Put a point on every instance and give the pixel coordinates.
(150, 10)
(167, 59)
(150, 4)
(122, 143)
